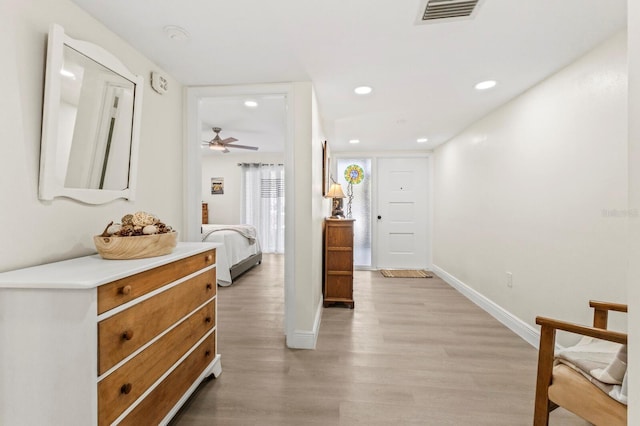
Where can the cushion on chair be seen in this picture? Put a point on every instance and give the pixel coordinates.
(574, 392)
(601, 362)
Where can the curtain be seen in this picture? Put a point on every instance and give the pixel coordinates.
(263, 203)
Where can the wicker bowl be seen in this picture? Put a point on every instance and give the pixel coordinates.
(135, 247)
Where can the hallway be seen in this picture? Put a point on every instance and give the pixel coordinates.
(412, 352)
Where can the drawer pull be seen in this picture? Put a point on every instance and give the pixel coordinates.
(126, 290)
(207, 320)
(207, 353)
(208, 258)
(125, 389)
(209, 286)
(127, 335)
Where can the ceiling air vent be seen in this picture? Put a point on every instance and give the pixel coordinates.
(432, 11)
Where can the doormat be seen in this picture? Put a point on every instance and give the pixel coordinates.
(405, 273)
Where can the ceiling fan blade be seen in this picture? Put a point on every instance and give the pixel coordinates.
(224, 151)
(228, 140)
(255, 148)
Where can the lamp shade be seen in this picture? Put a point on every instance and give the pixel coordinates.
(335, 191)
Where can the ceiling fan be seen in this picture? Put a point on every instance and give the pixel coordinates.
(219, 144)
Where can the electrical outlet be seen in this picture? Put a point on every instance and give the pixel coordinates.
(509, 279)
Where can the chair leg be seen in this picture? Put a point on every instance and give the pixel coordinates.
(545, 370)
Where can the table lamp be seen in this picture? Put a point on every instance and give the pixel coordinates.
(335, 192)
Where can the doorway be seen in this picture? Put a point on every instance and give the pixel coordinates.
(194, 178)
(403, 213)
(249, 171)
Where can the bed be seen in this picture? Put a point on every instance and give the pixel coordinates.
(241, 250)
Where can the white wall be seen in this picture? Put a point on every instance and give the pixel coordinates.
(226, 208)
(309, 209)
(534, 188)
(633, 278)
(35, 231)
(319, 207)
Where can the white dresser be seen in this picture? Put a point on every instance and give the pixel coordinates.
(90, 341)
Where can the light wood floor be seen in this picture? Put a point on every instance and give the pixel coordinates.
(413, 352)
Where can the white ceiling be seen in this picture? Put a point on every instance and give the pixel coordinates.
(263, 126)
(422, 75)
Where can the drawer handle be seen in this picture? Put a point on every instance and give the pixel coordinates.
(207, 320)
(126, 290)
(209, 286)
(125, 389)
(127, 335)
(209, 258)
(207, 353)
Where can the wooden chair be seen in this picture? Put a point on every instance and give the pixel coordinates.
(565, 387)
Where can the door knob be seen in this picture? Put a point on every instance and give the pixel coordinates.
(379, 217)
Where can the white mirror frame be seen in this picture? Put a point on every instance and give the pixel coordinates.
(49, 186)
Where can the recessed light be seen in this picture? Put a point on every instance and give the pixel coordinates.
(484, 85)
(251, 104)
(363, 90)
(354, 141)
(421, 140)
(175, 32)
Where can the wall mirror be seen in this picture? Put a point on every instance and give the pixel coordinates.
(90, 123)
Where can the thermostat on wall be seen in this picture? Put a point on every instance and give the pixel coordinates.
(159, 83)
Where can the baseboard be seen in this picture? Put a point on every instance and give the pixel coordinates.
(513, 323)
(306, 339)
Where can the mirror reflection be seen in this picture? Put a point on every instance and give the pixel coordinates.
(94, 124)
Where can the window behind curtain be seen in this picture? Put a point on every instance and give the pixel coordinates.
(263, 203)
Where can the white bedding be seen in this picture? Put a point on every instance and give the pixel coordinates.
(237, 247)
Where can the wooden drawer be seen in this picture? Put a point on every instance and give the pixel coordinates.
(123, 333)
(339, 260)
(339, 286)
(122, 291)
(339, 236)
(160, 401)
(121, 388)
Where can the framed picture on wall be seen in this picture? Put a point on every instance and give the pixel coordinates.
(326, 168)
(217, 185)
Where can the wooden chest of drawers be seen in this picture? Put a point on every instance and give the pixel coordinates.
(338, 262)
(97, 342)
(205, 213)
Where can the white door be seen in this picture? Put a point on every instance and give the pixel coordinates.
(402, 216)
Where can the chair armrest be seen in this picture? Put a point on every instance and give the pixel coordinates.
(546, 354)
(598, 333)
(619, 307)
(601, 312)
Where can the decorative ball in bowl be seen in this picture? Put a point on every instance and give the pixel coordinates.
(139, 236)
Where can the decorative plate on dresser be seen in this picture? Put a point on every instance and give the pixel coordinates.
(90, 341)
